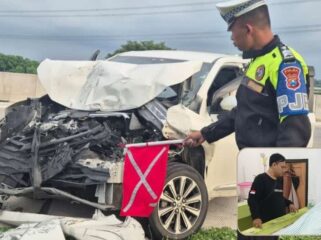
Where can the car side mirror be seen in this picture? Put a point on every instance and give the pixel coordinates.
(228, 103)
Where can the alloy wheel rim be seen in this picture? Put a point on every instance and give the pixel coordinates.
(180, 205)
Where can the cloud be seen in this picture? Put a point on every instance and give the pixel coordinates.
(190, 27)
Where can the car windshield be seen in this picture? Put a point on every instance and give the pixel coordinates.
(189, 95)
(168, 92)
(190, 89)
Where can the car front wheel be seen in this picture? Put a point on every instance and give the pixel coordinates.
(183, 204)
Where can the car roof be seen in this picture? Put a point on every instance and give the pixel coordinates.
(179, 55)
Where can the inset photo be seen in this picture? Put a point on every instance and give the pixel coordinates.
(279, 191)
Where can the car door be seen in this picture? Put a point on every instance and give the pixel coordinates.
(221, 155)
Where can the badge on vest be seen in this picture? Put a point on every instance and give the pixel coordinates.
(292, 97)
(259, 74)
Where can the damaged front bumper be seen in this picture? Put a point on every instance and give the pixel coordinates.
(49, 151)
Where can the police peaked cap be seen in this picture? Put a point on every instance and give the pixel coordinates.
(230, 10)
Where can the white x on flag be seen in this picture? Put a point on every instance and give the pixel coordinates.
(142, 176)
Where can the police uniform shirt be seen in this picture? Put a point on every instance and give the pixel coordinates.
(272, 102)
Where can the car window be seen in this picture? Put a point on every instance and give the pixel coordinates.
(192, 86)
(224, 84)
(227, 90)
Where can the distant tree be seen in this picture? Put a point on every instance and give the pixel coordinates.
(17, 64)
(139, 46)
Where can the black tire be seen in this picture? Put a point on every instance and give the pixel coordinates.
(179, 218)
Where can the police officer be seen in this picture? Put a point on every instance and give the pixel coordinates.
(272, 99)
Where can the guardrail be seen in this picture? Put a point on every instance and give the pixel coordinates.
(317, 106)
(317, 90)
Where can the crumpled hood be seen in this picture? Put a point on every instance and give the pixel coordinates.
(110, 86)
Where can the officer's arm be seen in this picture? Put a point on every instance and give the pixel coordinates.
(255, 197)
(294, 129)
(221, 128)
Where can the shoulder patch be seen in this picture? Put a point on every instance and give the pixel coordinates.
(259, 74)
(291, 91)
(292, 77)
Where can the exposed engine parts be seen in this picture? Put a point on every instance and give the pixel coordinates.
(43, 144)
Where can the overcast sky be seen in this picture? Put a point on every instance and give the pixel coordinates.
(74, 29)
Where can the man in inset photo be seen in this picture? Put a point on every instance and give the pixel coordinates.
(266, 200)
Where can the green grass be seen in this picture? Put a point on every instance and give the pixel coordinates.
(301, 238)
(215, 233)
(229, 234)
(4, 229)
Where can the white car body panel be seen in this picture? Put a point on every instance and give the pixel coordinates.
(110, 86)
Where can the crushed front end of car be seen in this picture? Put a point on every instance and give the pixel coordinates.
(47, 149)
(69, 143)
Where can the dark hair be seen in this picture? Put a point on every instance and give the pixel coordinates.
(259, 17)
(275, 158)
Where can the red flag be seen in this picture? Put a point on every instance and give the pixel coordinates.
(144, 178)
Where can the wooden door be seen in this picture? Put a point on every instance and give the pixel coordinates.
(296, 175)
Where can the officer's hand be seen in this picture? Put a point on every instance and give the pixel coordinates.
(257, 223)
(292, 208)
(194, 139)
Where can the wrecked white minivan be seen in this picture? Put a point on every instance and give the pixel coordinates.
(68, 144)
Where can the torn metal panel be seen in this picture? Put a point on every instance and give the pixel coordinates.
(36, 175)
(103, 227)
(49, 230)
(110, 86)
(154, 113)
(99, 227)
(16, 120)
(50, 141)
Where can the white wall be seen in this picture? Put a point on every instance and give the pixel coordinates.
(250, 164)
(19, 86)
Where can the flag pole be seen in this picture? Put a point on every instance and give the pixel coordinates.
(157, 143)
